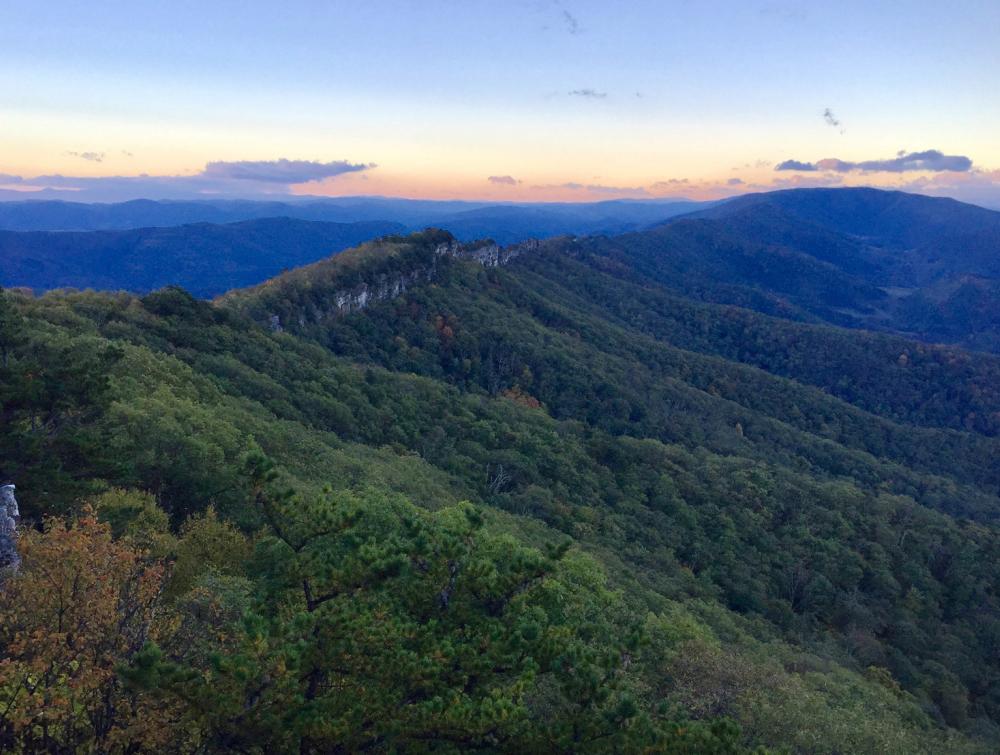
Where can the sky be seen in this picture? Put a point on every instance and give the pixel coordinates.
(519, 100)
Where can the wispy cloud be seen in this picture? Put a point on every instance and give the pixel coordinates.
(593, 94)
(503, 180)
(932, 161)
(571, 22)
(832, 120)
(795, 165)
(977, 185)
(280, 171)
(784, 12)
(598, 189)
(243, 178)
(801, 182)
(669, 184)
(94, 157)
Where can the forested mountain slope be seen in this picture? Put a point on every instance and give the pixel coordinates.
(681, 511)
(885, 414)
(925, 266)
(892, 220)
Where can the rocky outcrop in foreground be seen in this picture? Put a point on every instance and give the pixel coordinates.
(9, 515)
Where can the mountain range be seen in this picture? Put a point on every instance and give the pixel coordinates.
(504, 222)
(862, 258)
(703, 487)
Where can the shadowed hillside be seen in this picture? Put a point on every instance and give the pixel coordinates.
(204, 258)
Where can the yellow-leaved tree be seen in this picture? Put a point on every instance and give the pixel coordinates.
(80, 607)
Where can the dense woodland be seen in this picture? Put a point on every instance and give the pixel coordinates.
(556, 506)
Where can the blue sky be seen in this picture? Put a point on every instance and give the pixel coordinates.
(567, 100)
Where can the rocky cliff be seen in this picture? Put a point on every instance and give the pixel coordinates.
(386, 286)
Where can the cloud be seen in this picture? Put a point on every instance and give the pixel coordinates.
(784, 12)
(279, 171)
(94, 157)
(978, 186)
(126, 153)
(631, 191)
(589, 93)
(930, 160)
(734, 182)
(831, 120)
(503, 180)
(671, 183)
(599, 189)
(572, 25)
(795, 165)
(239, 179)
(802, 182)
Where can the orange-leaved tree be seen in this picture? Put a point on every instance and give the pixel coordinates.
(81, 606)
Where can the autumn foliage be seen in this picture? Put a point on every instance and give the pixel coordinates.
(81, 606)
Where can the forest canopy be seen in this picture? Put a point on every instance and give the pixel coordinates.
(543, 507)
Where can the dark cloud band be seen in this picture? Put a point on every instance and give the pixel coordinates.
(279, 171)
(930, 160)
(244, 178)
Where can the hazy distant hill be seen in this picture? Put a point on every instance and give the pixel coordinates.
(204, 258)
(913, 239)
(506, 223)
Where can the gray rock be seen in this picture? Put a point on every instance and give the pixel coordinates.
(387, 287)
(9, 516)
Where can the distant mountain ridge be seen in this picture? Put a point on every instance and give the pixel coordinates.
(204, 258)
(925, 267)
(916, 239)
(504, 222)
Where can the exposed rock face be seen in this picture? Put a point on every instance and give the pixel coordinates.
(490, 255)
(389, 287)
(386, 288)
(9, 515)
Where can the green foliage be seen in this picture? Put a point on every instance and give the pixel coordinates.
(135, 516)
(788, 538)
(52, 391)
(206, 544)
(378, 627)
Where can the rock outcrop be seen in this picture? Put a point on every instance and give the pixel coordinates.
(9, 516)
(487, 255)
(387, 287)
